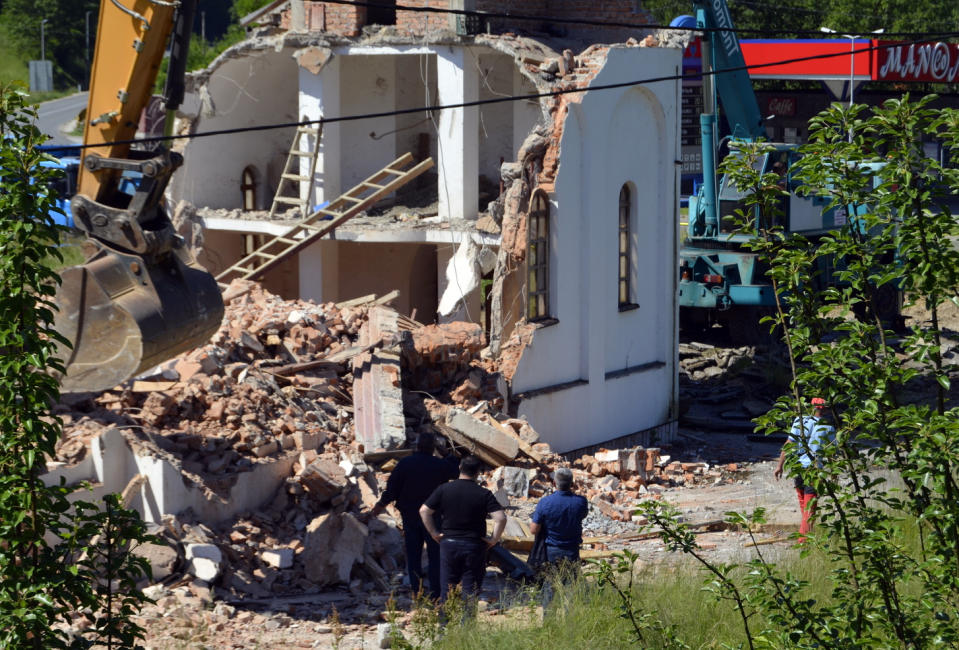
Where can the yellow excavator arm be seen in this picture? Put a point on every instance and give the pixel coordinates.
(140, 298)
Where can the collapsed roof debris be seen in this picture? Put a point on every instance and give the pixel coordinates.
(269, 406)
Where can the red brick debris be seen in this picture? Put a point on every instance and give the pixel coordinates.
(276, 382)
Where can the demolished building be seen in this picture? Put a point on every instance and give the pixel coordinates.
(551, 221)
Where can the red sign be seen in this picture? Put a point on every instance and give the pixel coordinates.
(812, 59)
(917, 62)
(781, 106)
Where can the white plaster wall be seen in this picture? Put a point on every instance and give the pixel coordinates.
(496, 120)
(368, 86)
(415, 87)
(638, 124)
(320, 95)
(255, 89)
(559, 352)
(469, 310)
(527, 113)
(317, 270)
(611, 137)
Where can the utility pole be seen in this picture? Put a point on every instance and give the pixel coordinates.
(87, 41)
(43, 45)
(852, 61)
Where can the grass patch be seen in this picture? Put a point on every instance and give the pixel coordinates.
(578, 617)
(13, 67)
(71, 250)
(585, 615)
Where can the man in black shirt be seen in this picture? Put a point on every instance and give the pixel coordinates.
(463, 506)
(412, 480)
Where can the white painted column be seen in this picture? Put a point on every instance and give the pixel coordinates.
(321, 96)
(318, 271)
(458, 139)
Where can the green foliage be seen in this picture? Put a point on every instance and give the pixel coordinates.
(241, 8)
(42, 584)
(202, 53)
(646, 628)
(846, 16)
(886, 590)
(64, 33)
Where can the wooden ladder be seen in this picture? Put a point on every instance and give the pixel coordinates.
(324, 220)
(288, 192)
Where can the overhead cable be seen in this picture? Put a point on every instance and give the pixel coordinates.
(483, 102)
(606, 23)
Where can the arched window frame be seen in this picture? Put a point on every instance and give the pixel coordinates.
(248, 188)
(626, 253)
(538, 258)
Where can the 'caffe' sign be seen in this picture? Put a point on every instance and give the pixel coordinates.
(781, 106)
(918, 62)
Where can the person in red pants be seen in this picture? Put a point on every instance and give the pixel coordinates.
(806, 437)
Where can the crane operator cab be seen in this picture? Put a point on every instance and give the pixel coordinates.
(796, 212)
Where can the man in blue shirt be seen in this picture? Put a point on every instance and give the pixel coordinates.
(806, 438)
(561, 514)
(412, 480)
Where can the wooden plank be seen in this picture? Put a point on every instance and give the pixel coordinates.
(353, 302)
(130, 491)
(296, 368)
(380, 456)
(153, 386)
(387, 298)
(763, 542)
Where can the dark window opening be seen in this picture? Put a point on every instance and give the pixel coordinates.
(537, 259)
(248, 189)
(381, 12)
(625, 250)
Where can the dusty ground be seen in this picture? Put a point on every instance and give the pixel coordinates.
(182, 620)
(348, 617)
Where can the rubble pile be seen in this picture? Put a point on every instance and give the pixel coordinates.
(615, 479)
(276, 384)
(724, 388)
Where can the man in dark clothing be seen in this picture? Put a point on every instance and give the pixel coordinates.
(463, 506)
(412, 480)
(561, 514)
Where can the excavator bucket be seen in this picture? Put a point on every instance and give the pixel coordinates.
(123, 316)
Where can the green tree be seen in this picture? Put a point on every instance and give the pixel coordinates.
(893, 464)
(64, 33)
(41, 583)
(785, 20)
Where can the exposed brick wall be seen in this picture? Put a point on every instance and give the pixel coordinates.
(587, 65)
(347, 20)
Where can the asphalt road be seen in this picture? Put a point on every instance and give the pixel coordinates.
(58, 112)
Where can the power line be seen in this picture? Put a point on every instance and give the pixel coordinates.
(604, 23)
(484, 102)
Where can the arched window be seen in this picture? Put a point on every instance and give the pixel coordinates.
(537, 258)
(625, 284)
(248, 188)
